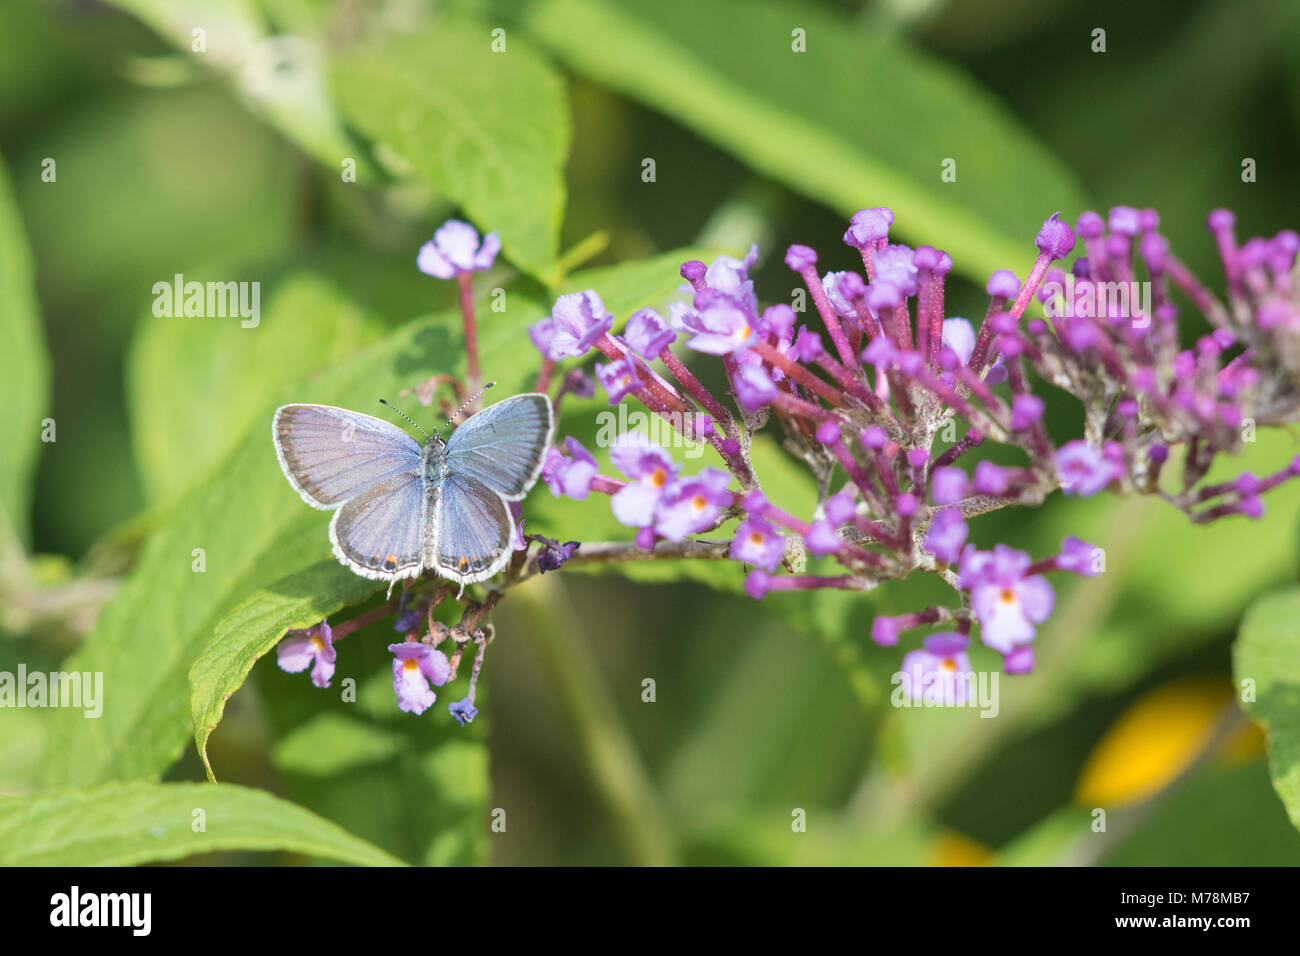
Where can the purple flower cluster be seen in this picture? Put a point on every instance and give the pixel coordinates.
(888, 393)
(1112, 337)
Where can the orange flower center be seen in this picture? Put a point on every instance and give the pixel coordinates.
(699, 502)
(949, 664)
(411, 664)
(659, 478)
(317, 643)
(756, 537)
(1008, 596)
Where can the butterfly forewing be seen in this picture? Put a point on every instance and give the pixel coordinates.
(380, 533)
(474, 530)
(331, 454)
(504, 445)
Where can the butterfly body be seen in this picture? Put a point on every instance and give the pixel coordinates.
(403, 508)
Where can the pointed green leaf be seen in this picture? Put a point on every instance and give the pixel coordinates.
(282, 77)
(198, 383)
(1266, 663)
(255, 626)
(857, 119)
(488, 130)
(24, 367)
(122, 824)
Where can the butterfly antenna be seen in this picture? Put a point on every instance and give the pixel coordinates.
(468, 402)
(404, 415)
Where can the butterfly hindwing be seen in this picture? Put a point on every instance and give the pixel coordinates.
(380, 533)
(474, 530)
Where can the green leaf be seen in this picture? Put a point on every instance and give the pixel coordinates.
(488, 130)
(1047, 842)
(198, 383)
(860, 119)
(1230, 807)
(331, 743)
(22, 750)
(121, 824)
(739, 745)
(254, 627)
(253, 529)
(1267, 654)
(24, 367)
(1236, 818)
(281, 77)
(763, 836)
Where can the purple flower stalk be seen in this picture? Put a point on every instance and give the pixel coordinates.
(455, 252)
(897, 372)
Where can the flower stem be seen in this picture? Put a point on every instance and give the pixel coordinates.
(544, 377)
(608, 751)
(474, 377)
(799, 374)
(387, 609)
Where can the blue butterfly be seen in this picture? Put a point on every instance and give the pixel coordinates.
(404, 508)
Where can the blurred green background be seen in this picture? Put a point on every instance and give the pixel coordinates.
(175, 162)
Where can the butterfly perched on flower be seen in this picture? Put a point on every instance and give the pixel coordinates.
(401, 508)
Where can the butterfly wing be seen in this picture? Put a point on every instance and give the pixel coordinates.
(380, 533)
(473, 530)
(331, 454)
(504, 445)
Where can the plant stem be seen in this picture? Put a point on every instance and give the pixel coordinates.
(474, 377)
(607, 749)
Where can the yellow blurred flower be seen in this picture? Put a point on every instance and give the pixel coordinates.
(1156, 739)
(950, 848)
